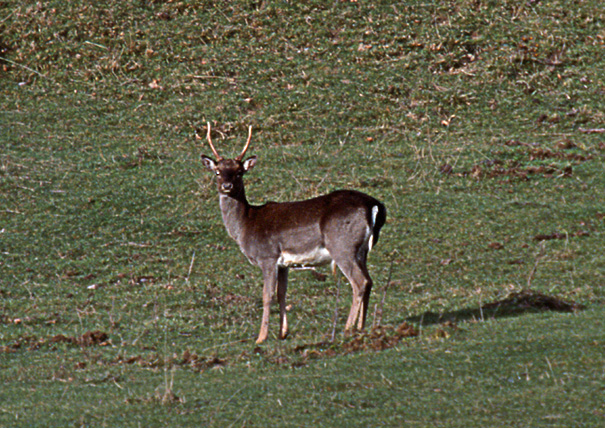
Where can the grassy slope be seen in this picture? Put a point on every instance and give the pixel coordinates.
(104, 208)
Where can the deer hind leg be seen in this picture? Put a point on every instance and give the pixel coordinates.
(349, 247)
(361, 283)
(269, 280)
(282, 289)
(363, 310)
(361, 259)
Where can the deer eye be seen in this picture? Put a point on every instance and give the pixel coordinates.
(217, 173)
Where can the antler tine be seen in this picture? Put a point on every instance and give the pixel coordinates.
(218, 157)
(241, 156)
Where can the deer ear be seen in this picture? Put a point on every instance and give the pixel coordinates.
(208, 163)
(249, 163)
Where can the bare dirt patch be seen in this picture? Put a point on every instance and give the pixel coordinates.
(377, 339)
(32, 343)
(522, 161)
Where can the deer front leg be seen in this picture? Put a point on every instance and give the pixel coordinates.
(269, 280)
(282, 288)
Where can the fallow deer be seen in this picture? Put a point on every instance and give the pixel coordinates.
(340, 227)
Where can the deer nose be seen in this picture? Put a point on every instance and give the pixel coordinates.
(226, 187)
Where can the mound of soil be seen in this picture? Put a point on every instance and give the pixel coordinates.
(528, 299)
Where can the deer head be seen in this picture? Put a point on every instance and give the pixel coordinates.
(229, 172)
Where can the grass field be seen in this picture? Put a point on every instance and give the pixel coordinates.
(479, 124)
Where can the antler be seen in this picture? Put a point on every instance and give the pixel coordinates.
(241, 156)
(218, 157)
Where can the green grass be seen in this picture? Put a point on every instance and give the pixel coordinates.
(477, 123)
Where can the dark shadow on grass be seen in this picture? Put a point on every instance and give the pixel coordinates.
(516, 304)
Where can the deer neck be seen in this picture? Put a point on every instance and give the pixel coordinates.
(234, 209)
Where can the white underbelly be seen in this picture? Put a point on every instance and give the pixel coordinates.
(317, 256)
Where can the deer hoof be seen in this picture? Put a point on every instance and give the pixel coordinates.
(261, 338)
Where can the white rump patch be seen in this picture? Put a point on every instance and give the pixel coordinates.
(374, 215)
(317, 256)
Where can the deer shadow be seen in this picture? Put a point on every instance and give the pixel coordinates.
(515, 304)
